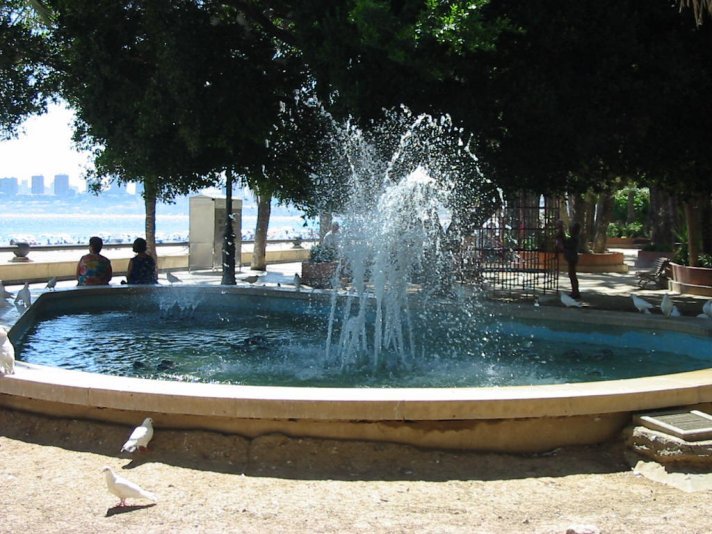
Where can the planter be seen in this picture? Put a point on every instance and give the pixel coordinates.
(319, 275)
(607, 262)
(627, 242)
(21, 251)
(691, 280)
(646, 258)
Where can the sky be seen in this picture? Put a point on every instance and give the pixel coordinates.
(44, 147)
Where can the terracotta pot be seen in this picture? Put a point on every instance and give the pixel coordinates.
(691, 280)
(606, 262)
(626, 242)
(21, 250)
(318, 275)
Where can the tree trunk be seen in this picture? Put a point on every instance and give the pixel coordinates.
(228, 249)
(583, 207)
(693, 232)
(706, 216)
(661, 219)
(149, 200)
(259, 250)
(604, 210)
(630, 213)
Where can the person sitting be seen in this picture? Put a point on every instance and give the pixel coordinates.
(142, 267)
(94, 269)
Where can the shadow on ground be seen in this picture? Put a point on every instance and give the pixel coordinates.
(279, 456)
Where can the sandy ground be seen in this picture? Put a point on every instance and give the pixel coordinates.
(51, 481)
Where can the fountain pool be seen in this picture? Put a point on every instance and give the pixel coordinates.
(493, 417)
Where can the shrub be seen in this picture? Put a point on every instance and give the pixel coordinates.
(322, 254)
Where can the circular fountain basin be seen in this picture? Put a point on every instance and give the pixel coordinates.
(511, 418)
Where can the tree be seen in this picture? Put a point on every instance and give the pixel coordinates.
(26, 74)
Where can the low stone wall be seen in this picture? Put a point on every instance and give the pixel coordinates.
(607, 262)
(40, 271)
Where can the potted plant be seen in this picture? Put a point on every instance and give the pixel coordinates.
(691, 280)
(319, 270)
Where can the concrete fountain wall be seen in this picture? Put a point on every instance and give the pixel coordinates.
(513, 419)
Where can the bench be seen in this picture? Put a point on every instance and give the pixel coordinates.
(657, 276)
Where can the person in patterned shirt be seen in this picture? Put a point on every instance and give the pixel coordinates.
(94, 269)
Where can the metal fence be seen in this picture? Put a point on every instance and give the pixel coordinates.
(514, 250)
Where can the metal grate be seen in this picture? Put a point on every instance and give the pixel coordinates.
(692, 425)
(514, 249)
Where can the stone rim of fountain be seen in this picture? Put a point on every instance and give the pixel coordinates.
(511, 418)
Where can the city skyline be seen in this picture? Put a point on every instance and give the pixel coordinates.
(44, 147)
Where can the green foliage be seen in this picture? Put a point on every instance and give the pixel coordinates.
(681, 255)
(26, 76)
(634, 229)
(641, 203)
(321, 254)
(705, 260)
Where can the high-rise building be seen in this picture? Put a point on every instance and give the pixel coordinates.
(61, 185)
(38, 187)
(9, 186)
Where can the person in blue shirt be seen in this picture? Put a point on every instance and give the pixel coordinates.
(142, 267)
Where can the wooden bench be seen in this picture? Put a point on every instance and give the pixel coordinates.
(657, 276)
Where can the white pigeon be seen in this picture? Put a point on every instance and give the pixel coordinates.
(642, 305)
(7, 354)
(568, 301)
(140, 437)
(24, 296)
(666, 305)
(173, 279)
(51, 283)
(125, 489)
(4, 293)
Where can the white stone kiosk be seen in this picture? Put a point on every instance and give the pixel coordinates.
(207, 230)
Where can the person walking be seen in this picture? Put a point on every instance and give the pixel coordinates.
(569, 246)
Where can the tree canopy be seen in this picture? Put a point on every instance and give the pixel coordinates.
(25, 67)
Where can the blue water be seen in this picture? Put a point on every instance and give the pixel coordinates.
(207, 338)
(50, 220)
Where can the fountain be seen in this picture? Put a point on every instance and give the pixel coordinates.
(391, 321)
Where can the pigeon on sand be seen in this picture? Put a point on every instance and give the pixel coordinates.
(24, 295)
(125, 489)
(173, 279)
(250, 279)
(642, 305)
(7, 354)
(140, 437)
(569, 302)
(51, 283)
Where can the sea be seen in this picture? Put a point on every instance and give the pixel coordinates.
(50, 220)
